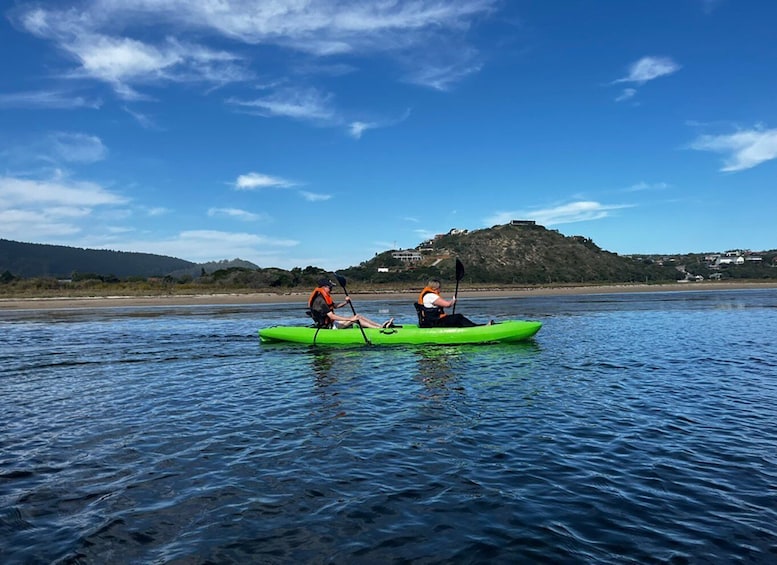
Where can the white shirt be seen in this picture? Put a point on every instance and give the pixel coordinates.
(429, 299)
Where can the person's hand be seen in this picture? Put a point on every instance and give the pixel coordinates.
(453, 299)
(347, 298)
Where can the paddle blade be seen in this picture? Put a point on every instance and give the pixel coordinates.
(340, 280)
(459, 270)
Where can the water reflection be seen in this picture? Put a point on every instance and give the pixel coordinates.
(322, 363)
(439, 370)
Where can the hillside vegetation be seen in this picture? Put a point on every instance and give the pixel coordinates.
(501, 256)
(517, 255)
(28, 260)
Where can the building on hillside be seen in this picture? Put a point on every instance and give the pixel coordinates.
(452, 231)
(523, 223)
(730, 260)
(409, 256)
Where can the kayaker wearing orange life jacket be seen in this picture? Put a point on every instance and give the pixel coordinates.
(322, 310)
(432, 313)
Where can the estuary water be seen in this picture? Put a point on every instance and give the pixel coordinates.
(634, 428)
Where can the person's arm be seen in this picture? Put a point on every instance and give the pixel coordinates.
(442, 303)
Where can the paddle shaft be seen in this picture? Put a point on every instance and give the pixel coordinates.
(459, 275)
(341, 280)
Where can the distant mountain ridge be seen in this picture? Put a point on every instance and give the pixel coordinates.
(29, 260)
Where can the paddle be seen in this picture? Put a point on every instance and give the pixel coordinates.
(341, 281)
(459, 276)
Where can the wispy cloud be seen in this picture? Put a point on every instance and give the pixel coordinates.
(742, 150)
(143, 119)
(47, 99)
(582, 211)
(130, 44)
(314, 197)
(644, 70)
(237, 214)
(255, 181)
(307, 104)
(442, 69)
(645, 186)
(157, 211)
(356, 129)
(92, 37)
(626, 94)
(210, 245)
(57, 191)
(649, 68)
(33, 208)
(76, 147)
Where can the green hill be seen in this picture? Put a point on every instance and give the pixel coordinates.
(28, 260)
(513, 254)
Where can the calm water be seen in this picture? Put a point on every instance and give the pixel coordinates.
(632, 429)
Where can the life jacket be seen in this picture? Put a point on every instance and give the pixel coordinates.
(427, 316)
(320, 318)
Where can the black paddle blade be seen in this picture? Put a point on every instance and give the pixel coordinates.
(459, 270)
(340, 280)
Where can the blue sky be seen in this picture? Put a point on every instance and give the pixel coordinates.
(295, 133)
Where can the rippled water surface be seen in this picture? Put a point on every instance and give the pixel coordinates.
(633, 428)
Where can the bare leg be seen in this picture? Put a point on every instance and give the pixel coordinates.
(367, 323)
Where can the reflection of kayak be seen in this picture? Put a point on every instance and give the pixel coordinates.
(500, 332)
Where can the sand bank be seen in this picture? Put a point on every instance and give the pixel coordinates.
(300, 297)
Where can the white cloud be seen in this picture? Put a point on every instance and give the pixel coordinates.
(743, 149)
(644, 186)
(237, 214)
(77, 147)
(144, 120)
(124, 61)
(307, 104)
(211, 245)
(18, 191)
(157, 211)
(626, 94)
(649, 68)
(30, 225)
(253, 181)
(33, 209)
(47, 99)
(441, 69)
(314, 197)
(356, 129)
(582, 211)
(104, 36)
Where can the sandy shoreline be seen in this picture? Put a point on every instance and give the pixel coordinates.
(300, 297)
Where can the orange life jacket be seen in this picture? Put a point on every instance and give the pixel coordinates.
(320, 317)
(433, 313)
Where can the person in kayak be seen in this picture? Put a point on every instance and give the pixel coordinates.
(431, 313)
(322, 309)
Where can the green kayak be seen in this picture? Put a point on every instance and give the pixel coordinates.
(501, 332)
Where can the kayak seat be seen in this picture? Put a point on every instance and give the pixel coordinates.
(319, 320)
(421, 315)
